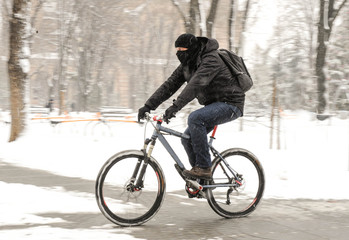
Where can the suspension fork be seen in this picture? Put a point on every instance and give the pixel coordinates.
(147, 154)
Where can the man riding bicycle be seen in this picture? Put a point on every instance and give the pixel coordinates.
(211, 82)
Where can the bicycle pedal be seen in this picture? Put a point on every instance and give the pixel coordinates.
(198, 194)
(194, 184)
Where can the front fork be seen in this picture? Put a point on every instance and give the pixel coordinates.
(137, 182)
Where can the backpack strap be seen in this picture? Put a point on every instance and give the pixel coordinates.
(224, 54)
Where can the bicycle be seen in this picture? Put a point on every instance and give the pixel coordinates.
(130, 186)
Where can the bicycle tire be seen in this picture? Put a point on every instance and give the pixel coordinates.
(245, 201)
(110, 192)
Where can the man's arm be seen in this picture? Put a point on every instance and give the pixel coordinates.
(203, 76)
(167, 89)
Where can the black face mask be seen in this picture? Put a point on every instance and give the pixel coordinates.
(183, 56)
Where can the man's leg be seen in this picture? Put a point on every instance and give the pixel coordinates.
(200, 122)
(189, 148)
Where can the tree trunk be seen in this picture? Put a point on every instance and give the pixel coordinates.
(273, 107)
(18, 65)
(278, 127)
(61, 66)
(243, 29)
(211, 17)
(320, 60)
(230, 26)
(327, 16)
(233, 25)
(192, 23)
(193, 19)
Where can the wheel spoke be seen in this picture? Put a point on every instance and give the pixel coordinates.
(242, 198)
(118, 198)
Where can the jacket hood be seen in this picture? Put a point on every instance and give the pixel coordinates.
(209, 44)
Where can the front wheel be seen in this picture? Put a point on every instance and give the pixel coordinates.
(120, 199)
(238, 183)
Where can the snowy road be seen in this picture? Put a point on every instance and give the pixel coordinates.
(59, 217)
(47, 183)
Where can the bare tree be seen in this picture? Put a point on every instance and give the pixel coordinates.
(275, 112)
(237, 25)
(211, 18)
(67, 21)
(18, 65)
(236, 28)
(195, 19)
(328, 14)
(190, 20)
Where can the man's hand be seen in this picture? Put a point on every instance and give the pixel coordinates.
(170, 113)
(142, 111)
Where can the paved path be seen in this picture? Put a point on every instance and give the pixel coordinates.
(183, 218)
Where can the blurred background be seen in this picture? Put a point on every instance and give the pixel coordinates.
(87, 54)
(77, 71)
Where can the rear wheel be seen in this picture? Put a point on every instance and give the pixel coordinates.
(245, 190)
(119, 199)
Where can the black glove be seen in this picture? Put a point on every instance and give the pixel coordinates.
(142, 111)
(170, 113)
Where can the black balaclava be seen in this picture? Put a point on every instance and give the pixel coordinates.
(189, 41)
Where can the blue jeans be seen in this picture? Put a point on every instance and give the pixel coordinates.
(200, 123)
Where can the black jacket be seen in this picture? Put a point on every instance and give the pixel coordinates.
(210, 81)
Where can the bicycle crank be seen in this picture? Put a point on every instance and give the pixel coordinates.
(194, 184)
(194, 189)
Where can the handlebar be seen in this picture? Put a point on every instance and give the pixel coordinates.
(159, 120)
(155, 118)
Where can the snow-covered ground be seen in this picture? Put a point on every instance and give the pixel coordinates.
(313, 163)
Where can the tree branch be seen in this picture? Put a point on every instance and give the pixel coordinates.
(35, 14)
(335, 12)
(176, 4)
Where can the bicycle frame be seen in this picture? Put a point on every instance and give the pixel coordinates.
(158, 134)
(119, 195)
